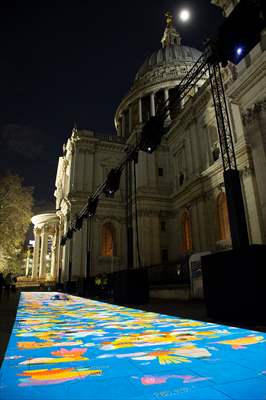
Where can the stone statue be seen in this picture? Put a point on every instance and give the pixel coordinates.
(170, 36)
(169, 19)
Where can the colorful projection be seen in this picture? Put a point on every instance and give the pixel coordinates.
(69, 348)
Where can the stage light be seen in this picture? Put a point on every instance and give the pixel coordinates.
(69, 234)
(63, 241)
(241, 31)
(239, 51)
(152, 134)
(92, 205)
(112, 182)
(134, 157)
(78, 224)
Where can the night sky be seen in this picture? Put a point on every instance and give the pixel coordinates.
(72, 61)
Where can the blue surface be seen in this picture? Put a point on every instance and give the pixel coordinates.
(76, 348)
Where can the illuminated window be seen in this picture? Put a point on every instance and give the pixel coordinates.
(108, 240)
(186, 232)
(222, 217)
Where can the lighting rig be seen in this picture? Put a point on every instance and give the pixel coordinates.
(236, 37)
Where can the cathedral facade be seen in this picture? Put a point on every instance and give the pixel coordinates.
(172, 201)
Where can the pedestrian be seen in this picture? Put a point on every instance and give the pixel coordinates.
(13, 284)
(8, 281)
(2, 282)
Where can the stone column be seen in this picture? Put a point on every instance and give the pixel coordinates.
(42, 271)
(140, 110)
(199, 144)
(59, 254)
(152, 103)
(253, 217)
(151, 170)
(208, 144)
(145, 240)
(73, 170)
(130, 119)
(27, 263)
(142, 170)
(78, 169)
(238, 129)
(155, 249)
(189, 158)
(35, 261)
(194, 150)
(255, 128)
(166, 99)
(176, 171)
(54, 260)
(65, 251)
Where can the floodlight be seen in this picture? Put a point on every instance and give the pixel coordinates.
(69, 234)
(243, 26)
(63, 240)
(239, 51)
(92, 205)
(112, 182)
(151, 134)
(78, 224)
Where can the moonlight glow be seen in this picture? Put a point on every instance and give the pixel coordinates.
(184, 15)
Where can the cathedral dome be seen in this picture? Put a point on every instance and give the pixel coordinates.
(171, 62)
(156, 81)
(164, 57)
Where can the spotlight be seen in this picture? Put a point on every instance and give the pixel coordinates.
(69, 234)
(63, 241)
(92, 205)
(234, 32)
(112, 182)
(151, 134)
(78, 224)
(239, 51)
(134, 157)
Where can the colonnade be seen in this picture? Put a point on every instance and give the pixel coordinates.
(46, 231)
(152, 111)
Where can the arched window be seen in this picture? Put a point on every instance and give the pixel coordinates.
(108, 240)
(186, 232)
(222, 218)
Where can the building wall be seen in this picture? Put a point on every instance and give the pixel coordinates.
(81, 170)
(181, 176)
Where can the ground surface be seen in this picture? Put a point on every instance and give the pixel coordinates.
(83, 349)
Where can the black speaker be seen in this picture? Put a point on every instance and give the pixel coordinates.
(234, 284)
(131, 286)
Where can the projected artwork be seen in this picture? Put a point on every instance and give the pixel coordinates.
(69, 348)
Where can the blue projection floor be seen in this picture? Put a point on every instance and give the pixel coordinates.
(74, 348)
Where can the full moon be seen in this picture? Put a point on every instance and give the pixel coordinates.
(184, 15)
